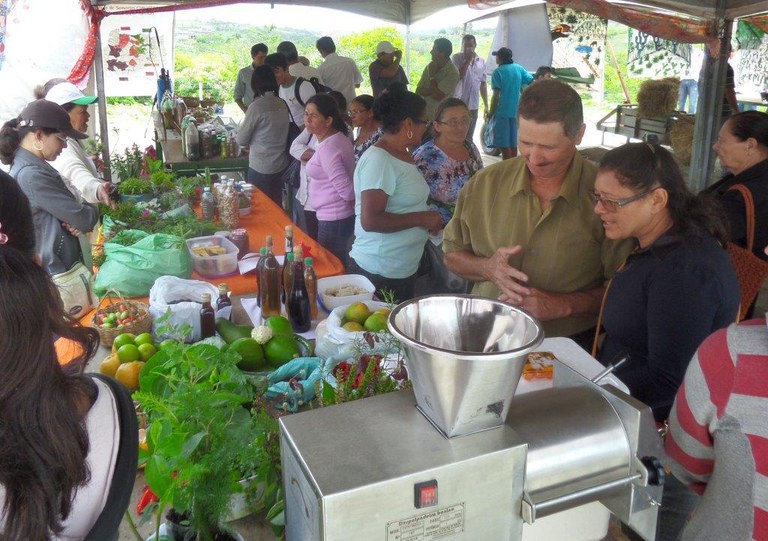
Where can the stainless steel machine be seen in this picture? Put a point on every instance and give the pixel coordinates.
(458, 457)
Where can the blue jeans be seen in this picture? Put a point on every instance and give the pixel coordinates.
(334, 236)
(689, 89)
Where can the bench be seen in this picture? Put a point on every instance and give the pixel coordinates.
(624, 120)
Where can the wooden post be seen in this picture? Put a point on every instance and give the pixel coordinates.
(627, 99)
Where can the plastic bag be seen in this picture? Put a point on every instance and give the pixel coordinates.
(332, 339)
(183, 299)
(135, 260)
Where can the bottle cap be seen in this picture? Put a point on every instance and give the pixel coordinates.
(298, 249)
(222, 288)
(309, 261)
(205, 297)
(262, 251)
(269, 240)
(288, 230)
(289, 256)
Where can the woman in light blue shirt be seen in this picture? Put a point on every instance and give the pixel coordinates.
(391, 215)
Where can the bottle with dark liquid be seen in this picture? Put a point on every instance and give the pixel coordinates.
(298, 305)
(310, 280)
(269, 283)
(207, 317)
(287, 277)
(224, 303)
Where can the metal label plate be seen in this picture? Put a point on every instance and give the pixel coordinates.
(434, 525)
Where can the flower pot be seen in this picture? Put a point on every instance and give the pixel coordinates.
(238, 506)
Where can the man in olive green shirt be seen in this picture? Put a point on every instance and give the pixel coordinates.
(525, 229)
(439, 78)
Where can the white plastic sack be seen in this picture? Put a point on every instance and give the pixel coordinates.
(332, 339)
(183, 298)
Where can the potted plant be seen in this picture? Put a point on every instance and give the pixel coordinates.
(197, 404)
(136, 190)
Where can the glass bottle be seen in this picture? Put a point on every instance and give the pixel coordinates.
(224, 303)
(269, 283)
(287, 277)
(208, 205)
(288, 239)
(259, 266)
(239, 238)
(207, 317)
(298, 305)
(310, 280)
(229, 209)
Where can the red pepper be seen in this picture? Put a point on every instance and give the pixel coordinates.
(147, 497)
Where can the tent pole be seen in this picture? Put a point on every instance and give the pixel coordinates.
(98, 67)
(710, 106)
(408, 40)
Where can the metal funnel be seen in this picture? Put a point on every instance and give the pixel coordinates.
(465, 355)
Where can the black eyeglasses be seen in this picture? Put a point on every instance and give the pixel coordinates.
(60, 137)
(456, 123)
(613, 205)
(422, 121)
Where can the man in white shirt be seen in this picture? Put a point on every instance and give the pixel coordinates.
(472, 77)
(338, 72)
(296, 98)
(296, 68)
(243, 93)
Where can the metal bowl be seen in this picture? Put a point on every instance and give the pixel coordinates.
(464, 355)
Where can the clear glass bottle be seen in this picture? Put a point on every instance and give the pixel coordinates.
(288, 239)
(310, 280)
(192, 137)
(298, 305)
(269, 283)
(208, 205)
(207, 317)
(229, 208)
(259, 266)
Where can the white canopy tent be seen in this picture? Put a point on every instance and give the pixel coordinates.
(719, 14)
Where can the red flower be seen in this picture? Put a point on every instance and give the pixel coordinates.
(133, 51)
(341, 372)
(147, 497)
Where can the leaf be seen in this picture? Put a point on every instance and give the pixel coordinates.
(159, 476)
(192, 443)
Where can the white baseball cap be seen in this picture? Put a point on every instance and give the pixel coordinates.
(385, 47)
(66, 92)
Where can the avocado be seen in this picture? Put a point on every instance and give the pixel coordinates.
(231, 332)
(251, 353)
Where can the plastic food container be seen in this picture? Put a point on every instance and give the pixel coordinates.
(330, 302)
(213, 265)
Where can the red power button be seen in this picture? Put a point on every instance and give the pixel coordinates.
(425, 494)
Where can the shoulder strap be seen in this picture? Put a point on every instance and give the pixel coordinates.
(749, 207)
(297, 90)
(124, 476)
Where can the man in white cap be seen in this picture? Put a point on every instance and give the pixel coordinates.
(74, 164)
(386, 69)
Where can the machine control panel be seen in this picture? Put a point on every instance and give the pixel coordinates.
(425, 494)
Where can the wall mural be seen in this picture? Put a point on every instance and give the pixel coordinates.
(653, 57)
(578, 41)
(750, 60)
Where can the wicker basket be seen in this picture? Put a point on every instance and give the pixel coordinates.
(114, 300)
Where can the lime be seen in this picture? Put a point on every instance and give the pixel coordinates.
(251, 354)
(146, 351)
(279, 325)
(352, 326)
(128, 353)
(384, 311)
(376, 322)
(357, 311)
(280, 349)
(123, 339)
(144, 338)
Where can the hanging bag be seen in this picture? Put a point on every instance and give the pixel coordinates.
(292, 173)
(76, 290)
(750, 269)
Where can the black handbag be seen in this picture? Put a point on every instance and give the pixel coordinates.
(292, 173)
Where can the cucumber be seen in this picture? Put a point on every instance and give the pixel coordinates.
(231, 332)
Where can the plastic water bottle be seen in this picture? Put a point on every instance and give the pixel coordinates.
(208, 204)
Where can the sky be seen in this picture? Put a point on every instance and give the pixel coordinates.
(321, 19)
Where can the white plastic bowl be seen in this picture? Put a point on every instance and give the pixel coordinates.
(329, 302)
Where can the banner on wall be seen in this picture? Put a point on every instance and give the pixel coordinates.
(131, 55)
(656, 58)
(578, 41)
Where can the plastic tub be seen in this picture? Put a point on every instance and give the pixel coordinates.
(214, 265)
(330, 302)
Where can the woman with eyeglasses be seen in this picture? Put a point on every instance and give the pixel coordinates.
(391, 214)
(448, 160)
(679, 285)
(28, 143)
(368, 126)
